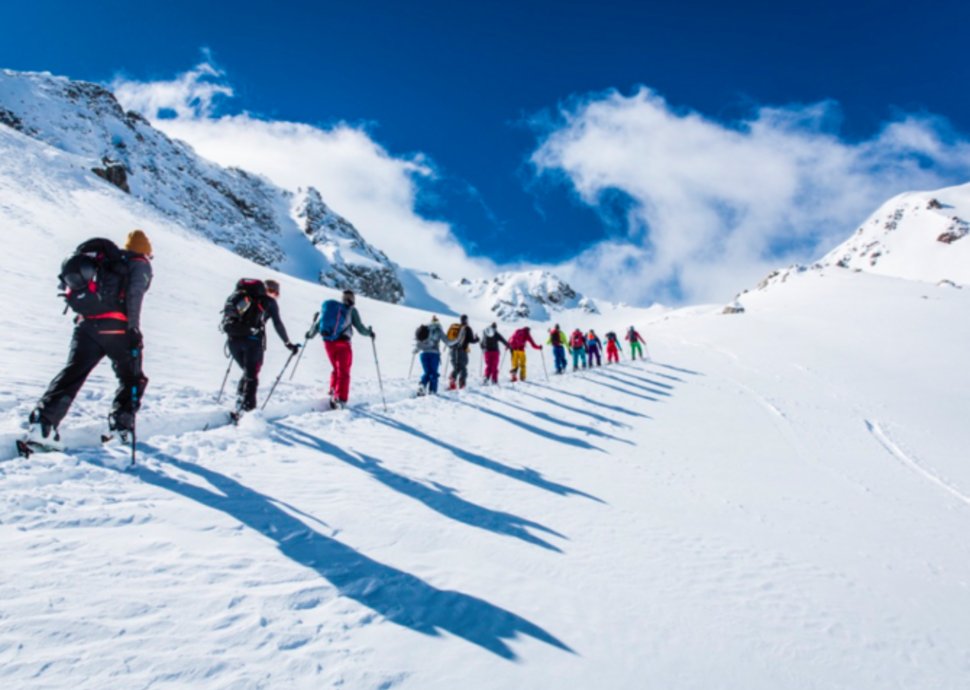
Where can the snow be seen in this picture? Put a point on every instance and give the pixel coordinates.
(779, 499)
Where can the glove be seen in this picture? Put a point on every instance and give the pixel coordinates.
(293, 348)
(372, 334)
(135, 340)
(310, 333)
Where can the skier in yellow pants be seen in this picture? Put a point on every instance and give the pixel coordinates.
(517, 345)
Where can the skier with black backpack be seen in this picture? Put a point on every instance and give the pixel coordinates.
(491, 339)
(244, 317)
(104, 286)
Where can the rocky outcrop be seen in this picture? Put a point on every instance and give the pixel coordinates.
(533, 295)
(351, 262)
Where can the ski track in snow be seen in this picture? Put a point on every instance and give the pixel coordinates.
(886, 442)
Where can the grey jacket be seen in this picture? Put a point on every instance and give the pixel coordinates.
(139, 280)
(436, 336)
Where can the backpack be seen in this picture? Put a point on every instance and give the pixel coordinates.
(578, 340)
(242, 315)
(611, 336)
(93, 279)
(453, 331)
(422, 333)
(555, 335)
(333, 315)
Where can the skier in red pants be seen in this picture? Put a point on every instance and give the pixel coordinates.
(336, 340)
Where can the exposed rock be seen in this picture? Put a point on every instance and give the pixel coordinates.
(114, 173)
(530, 295)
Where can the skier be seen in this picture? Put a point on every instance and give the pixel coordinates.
(459, 354)
(612, 348)
(105, 286)
(577, 344)
(634, 339)
(427, 340)
(559, 344)
(594, 346)
(251, 304)
(517, 345)
(490, 342)
(336, 324)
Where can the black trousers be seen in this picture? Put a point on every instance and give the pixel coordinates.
(248, 354)
(459, 366)
(92, 341)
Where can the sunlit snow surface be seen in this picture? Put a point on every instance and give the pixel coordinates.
(780, 499)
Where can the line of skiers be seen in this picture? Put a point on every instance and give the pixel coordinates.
(105, 285)
(585, 348)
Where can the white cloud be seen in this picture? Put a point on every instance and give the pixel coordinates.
(357, 177)
(714, 207)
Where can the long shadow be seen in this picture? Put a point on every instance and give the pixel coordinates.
(633, 384)
(527, 474)
(555, 420)
(441, 499)
(628, 374)
(400, 597)
(589, 401)
(577, 410)
(621, 390)
(552, 436)
(673, 368)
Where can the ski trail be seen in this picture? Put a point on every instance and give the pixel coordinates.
(912, 464)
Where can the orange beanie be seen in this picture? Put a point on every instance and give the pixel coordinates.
(138, 242)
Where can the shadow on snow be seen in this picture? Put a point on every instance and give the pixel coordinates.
(588, 401)
(441, 499)
(400, 597)
(527, 475)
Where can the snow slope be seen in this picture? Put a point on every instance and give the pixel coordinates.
(779, 500)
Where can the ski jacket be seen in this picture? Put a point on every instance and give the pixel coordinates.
(557, 340)
(593, 342)
(464, 338)
(520, 338)
(491, 339)
(611, 339)
(271, 312)
(139, 280)
(634, 337)
(435, 337)
(577, 340)
(346, 329)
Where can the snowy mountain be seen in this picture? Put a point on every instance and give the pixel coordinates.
(231, 207)
(778, 500)
(533, 295)
(915, 236)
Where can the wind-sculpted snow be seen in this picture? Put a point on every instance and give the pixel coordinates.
(532, 295)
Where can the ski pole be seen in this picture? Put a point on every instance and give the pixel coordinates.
(224, 379)
(447, 362)
(646, 351)
(411, 368)
(134, 419)
(377, 366)
(309, 334)
(542, 356)
(270, 394)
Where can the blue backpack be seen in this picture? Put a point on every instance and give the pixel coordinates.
(332, 317)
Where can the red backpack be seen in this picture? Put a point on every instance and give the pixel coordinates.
(578, 340)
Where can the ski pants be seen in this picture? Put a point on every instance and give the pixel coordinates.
(579, 355)
(594, 353)
(518, 364)
(491, 366)
(430, 361)
(341, 359)
(559, 354)
(612, 353)
(459, 367)
(248, 354)
(94, 339)
(635, 349)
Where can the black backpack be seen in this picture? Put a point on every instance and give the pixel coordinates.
(93, 279)
(243, 313)
(422, 333)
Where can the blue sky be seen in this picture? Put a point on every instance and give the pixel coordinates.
(477, 91)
